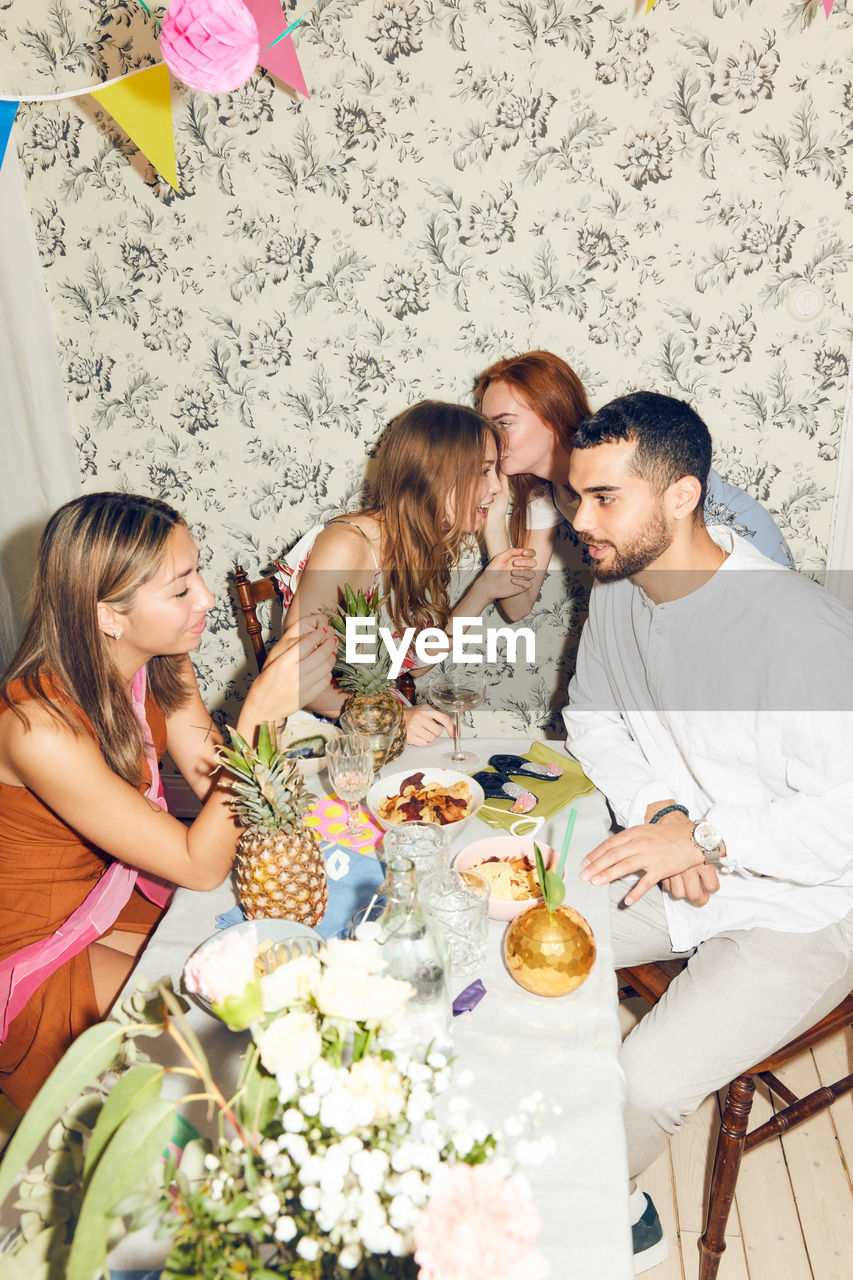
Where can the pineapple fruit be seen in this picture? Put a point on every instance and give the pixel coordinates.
(279, 868)
(372, 706)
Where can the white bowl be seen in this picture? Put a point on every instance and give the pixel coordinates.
(383, 788)
(268, 929)
(301, 731)
(506, 847)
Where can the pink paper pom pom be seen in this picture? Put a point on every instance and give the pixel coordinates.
(210, 45)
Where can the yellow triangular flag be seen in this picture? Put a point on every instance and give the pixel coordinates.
(142, 105)
(650, 4)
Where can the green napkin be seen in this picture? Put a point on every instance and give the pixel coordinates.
(551, 796)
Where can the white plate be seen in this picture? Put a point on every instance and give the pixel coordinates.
(390, 786)
(268, 930)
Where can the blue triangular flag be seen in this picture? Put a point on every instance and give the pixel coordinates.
(7, 116)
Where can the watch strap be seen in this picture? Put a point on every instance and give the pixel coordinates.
(670, 808)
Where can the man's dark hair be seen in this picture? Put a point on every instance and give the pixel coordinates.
(672, 440)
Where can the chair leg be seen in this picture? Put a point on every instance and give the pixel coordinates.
(712, 1242)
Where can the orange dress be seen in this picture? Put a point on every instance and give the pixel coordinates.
(47, 869)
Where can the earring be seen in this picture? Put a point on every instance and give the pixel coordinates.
(116, 635)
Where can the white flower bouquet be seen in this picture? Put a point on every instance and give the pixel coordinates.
(329, 1160)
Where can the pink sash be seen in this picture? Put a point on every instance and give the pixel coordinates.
(22, 973)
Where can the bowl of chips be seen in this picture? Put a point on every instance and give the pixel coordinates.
(442, 796)
(508, 863)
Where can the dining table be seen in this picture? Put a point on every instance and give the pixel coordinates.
(564, 1050)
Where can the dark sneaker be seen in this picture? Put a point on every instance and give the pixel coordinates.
(650, 1245)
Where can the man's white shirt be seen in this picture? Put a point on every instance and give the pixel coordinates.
(737, 701)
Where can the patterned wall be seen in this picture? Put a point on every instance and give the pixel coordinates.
(470, 178)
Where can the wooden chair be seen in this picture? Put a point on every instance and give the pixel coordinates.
(251, 594)
(255, 592)
(650, 981)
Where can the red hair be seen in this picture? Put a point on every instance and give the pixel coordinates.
(555, 393)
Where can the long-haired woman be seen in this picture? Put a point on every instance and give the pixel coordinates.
(436, 477)
(101, 685)
(538, 401)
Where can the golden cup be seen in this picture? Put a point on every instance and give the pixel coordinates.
(552, 953)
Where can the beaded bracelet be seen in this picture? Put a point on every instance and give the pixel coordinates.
(670, 808)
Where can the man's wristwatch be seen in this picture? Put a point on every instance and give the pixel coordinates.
(708, 841)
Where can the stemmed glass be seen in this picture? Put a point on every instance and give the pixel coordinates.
(350, 763)
(456, 690)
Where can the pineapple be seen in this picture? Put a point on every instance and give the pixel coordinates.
(280, 870)
(372, 707)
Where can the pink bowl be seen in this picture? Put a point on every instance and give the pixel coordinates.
(505, 847)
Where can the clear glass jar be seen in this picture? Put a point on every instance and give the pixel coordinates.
(415, 950)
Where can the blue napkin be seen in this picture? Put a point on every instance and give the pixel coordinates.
(353, 880)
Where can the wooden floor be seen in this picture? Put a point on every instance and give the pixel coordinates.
(793, 1212)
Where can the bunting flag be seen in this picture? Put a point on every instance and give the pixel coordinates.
(142, 105)
(650, 4)
(281, 59)
(827, 6)
(7, 117)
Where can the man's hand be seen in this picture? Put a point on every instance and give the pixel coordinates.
(662, 852)
(696, 885)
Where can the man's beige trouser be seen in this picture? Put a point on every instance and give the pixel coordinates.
(742, 995)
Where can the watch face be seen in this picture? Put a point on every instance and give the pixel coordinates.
(706, 836)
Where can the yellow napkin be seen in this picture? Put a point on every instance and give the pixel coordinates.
(551, 796)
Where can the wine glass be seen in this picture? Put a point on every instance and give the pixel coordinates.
(456, 690)
(374, 727)
(350, 763)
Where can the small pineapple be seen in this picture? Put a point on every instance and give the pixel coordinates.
(280, 870)
(373, 707)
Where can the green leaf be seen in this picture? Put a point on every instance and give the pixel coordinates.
(90, 1054)
(125, 1163)
(555, 891)
(256, 1100)
(239, 1012)
(238, 741)
(266, 742)
(139, 1085)
(540, 869)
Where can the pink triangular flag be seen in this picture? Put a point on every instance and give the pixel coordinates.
(827, 6)
(281, 60)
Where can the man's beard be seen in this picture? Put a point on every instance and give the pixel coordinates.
(650, 543)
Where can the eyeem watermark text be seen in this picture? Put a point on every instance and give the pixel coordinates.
(431, 644)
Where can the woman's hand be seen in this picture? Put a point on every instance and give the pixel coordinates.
(510, 572)
(425, 723)
(494, 529)
(297, 669)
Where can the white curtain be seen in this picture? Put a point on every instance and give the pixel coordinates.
(38, 463)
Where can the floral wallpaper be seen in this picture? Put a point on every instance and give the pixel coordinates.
(644, 194)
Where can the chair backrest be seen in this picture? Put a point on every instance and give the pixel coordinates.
(250, 595)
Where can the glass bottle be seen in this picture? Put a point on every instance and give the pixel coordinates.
(415, 950)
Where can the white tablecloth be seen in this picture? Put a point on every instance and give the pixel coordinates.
(514, 1043)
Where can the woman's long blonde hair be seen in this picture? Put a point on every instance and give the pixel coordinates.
(101, 547)
(429, 450)
(555, 393)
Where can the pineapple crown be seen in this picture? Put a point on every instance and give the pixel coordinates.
(267, 786)
(362, 677)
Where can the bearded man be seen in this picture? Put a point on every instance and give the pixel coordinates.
(712, 706)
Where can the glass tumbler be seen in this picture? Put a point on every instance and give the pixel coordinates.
(426, 843)
(459, 902)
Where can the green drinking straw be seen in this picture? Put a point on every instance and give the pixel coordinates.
(564, 852)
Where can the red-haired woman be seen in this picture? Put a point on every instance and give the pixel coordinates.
(538, 401)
